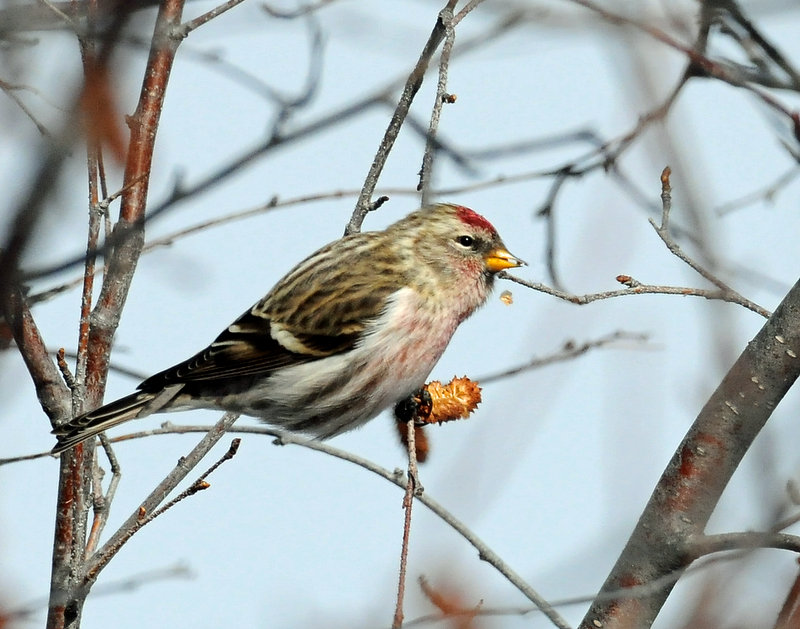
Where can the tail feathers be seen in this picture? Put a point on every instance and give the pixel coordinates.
(89, 424)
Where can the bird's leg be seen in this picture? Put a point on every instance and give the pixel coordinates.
(411, 413)
(417, 406)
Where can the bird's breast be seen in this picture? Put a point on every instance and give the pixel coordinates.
(409, 337)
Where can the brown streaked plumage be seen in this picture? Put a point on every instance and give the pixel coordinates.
(351, 330)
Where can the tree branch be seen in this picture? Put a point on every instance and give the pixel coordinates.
(695, 478)
(413, 83)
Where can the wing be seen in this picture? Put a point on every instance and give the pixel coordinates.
(316, 311)
(247, 348)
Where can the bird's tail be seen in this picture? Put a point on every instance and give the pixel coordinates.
(89, 424)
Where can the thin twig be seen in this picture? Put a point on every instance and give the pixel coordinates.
(99, 509)
(662, 230)
(9, 90)
(398, 479)
(198, 485)
(426, 172)
(468, 8)
(101, 558)
(187, 27)
(413, 83)
(63, 17)
(707, 544)
(569, 351)
(301, 11)
(61, 360)
(408, 502)
(112, 366)
(127, 584)
(701, 65)
(547, 211)
(765, 194)
(101, 504)
(637, 289)
(91, 71)
(180, 194)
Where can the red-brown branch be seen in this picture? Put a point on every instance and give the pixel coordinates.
(789, 615)
(66, 597)
(129, 231)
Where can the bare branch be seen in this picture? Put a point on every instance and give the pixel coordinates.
(749, 540)
(131, 583)
(101, 558)
(77, 470)
(701, 467)
(790, 612)
(101, 503)
(663, 233)
(426, 172)
(413, 83)
(199, 485)
(637, 288)
(766, 194)
(303, 10)
(412, 487)
(569, 351)
(396, 478)
(187, 27)
(129, 231)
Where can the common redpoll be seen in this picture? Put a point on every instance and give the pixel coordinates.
(351, 330)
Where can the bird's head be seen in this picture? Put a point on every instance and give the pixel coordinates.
(456, 239)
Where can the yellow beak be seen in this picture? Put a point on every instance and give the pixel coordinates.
(500, 259)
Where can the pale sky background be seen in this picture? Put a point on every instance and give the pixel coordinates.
(557, 464)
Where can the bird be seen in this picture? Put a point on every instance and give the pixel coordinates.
(351, 330)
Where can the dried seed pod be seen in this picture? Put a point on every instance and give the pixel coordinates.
(454, 400)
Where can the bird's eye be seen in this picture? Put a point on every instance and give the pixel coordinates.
(466, 241)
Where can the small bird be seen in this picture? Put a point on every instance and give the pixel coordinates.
(353, 329)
